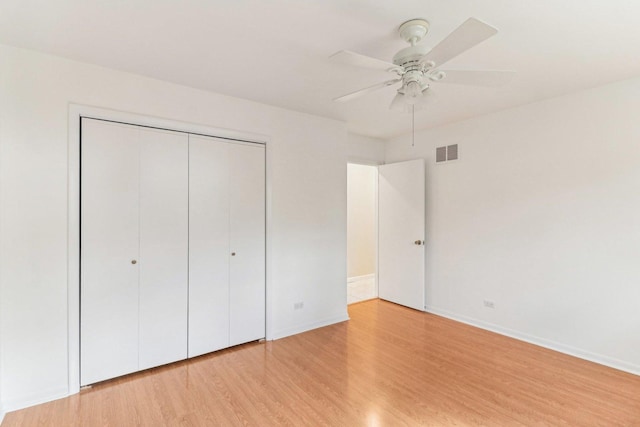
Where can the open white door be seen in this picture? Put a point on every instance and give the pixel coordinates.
(401, 233)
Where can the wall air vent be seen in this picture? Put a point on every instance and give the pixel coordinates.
(448, 153)
(452, 152)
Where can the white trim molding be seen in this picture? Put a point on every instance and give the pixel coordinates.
(361, 278)
(310, 326)
(76, 112)
(364, 161)
(35, 399)
(531, 339)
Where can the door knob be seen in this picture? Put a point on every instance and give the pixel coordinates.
(233, 254)
(418, 242)
(133, 261)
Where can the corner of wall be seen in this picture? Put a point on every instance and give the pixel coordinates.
(364, 149)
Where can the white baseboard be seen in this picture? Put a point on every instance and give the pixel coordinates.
(48, 396)
(44, 397)
(310, 326)
(359, 278)
(552, 345)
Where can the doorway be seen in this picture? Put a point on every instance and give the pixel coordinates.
(362, 228)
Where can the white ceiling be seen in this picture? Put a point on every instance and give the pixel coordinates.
(275, 51)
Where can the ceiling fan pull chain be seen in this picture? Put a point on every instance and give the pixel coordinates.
(413, 125)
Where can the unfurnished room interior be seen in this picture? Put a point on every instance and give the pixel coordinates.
(319, 213)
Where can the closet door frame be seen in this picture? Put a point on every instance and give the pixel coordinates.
(76, 113)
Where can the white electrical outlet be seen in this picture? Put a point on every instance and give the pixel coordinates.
(298, 305)
(489, 304)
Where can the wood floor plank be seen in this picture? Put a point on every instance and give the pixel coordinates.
(387, 366)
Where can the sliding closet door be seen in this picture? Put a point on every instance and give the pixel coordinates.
(109, 233)
(164, 233)
(247, 240)
(208, 245)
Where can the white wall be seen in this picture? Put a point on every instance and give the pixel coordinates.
(307, 162)
(364, 149)
(540, 215)
(361, 219)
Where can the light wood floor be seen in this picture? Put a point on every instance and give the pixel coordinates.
(388, 366)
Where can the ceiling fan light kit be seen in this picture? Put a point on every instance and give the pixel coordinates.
(417, 66)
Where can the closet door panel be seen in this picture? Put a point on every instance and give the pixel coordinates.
(163, 263)
(109, 241)
(247, 237)
(208, 245)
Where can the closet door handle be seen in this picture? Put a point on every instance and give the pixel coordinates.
(133, 261)
(233, 254)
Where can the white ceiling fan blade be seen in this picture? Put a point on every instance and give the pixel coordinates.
(488, 78)
(352, 58)
(366, 90)
(471, 33)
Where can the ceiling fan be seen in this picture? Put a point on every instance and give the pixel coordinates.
(417, 66)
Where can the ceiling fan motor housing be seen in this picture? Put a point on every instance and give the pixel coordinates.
(411, 54)
(412, 32)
